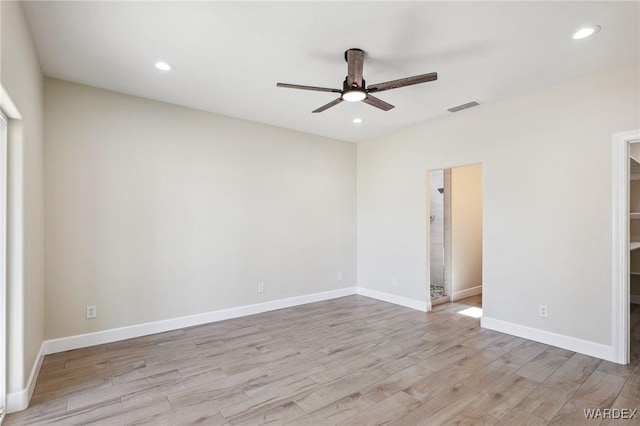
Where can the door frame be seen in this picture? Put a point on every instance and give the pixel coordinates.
(4, 129)
(620, 240)
(11, 114)
(448, 255)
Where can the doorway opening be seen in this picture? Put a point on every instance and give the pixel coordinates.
(440, 235)
(455, 234)
(626, 241)
(634, 249)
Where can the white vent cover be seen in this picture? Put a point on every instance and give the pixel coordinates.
(464, 106)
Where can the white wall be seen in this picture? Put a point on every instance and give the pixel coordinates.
(155, 211)
(22, 79)
(466, 230)
(547, 224)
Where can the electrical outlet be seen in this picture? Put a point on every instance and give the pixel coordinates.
(543, 311)
(260, 287)
(339, 276)
(91, 311)
(394, 282)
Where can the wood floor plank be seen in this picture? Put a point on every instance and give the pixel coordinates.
(152, 413)
(335, 412)
(446, 405)
(352, 360)
(79, 416)
(472, 417)
(384, 412)
(522, 418)
(631, 388)
(203, 398)
(546, 401)
(280, 414)
(197, 415)
(629, 408)
(575, 371)
(599, 391)
(276, 395)
(541, 366)
(337, 390)
(500, 399)
(620, 370)
(394, 383)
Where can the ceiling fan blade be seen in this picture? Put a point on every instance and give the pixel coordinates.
(329, 105)
(355, 63)
(395, 84)
(378, 103)
(314, 88)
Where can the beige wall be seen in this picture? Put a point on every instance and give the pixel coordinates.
(155, 211)
(546, 159)
(466, 229)
(22, 79)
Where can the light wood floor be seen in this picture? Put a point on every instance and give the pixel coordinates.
(352, 360)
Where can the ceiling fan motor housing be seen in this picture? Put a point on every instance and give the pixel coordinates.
(354, 86)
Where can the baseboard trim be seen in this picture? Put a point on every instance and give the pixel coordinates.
(115, 334)
(467, 292)
(419, 305)
(586, 347)
(129, 332)
(635, 299)
(17, 401)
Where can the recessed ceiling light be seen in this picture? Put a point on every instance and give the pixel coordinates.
(586, 32)
(163, 66)
(357, 120)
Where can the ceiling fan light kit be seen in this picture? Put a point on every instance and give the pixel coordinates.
(354, 95)
(354, 88)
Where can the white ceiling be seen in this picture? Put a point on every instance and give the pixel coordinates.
(228, 56)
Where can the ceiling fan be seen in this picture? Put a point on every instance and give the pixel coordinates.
(354, 88)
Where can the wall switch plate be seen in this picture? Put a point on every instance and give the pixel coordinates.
(339, 276)
(260, 287)
(91, 311)
(543, 311)
(394, 282)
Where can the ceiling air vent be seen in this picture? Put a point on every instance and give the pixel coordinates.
(464, 106)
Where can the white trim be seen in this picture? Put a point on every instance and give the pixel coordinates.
(419, 305)
(635, 299)
(17, 401)
(7, 105)
(115, 334)
(549, 338)
(4, 197)
(467, 292)
(8, 110)
(620, 244)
